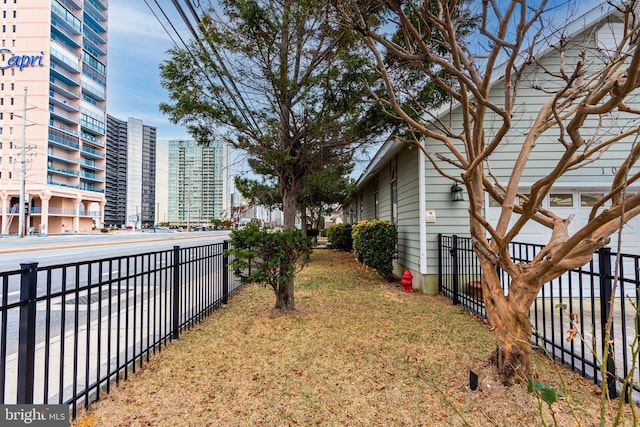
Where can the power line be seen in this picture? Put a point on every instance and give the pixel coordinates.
(218, 66)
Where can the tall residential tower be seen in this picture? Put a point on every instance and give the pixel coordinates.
(53, 68)
(131, 173)
(193, 186)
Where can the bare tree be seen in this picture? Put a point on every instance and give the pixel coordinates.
(585, 104)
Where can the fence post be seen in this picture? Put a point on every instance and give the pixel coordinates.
(27, 332)
(440, 263)
(454, 269)
(606, 288)
(225, 272)
(176, 292)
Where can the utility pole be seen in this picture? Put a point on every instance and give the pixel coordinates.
(23, 164)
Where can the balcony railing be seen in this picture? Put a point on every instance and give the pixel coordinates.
(51, 181)
(64, 142)
(95, 153)
(57, 155)
(62, 171)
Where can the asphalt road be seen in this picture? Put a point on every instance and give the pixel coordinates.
(60, 249)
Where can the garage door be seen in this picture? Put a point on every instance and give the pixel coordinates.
(571, 203)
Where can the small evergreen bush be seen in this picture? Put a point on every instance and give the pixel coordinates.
(340, 236)
(375, 245)
(269, 258)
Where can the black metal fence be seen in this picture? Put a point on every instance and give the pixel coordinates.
(580, 299)
(69, 332)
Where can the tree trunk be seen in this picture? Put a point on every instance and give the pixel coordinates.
(511, 326)
(284, 293)
(284, 296)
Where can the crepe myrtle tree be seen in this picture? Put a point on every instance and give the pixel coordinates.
(281, 80)
(586, 109)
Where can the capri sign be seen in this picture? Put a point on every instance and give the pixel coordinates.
(19, 61)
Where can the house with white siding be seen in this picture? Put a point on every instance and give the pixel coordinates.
(401, 185)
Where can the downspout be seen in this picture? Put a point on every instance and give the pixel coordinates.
(422, 206)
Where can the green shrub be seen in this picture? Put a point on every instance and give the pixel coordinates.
(104, 230)
(313, 232)
(269, 258)
(340, 236)
(375, 245)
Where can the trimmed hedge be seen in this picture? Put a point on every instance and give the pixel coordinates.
(375, 245)
(340, 236)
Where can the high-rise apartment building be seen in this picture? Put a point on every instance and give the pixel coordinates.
(194, 188)
(115, 210)
(131, 173)
(53, 68)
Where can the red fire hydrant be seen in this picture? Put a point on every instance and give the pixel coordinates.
(407, 280)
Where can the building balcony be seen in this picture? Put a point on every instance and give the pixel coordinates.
(58, 57)
(91, 164)
(92, 140)
(93, 23)
(63, 33)
(63, 142)
(67, 18)
(95, 11)
(91, 128)
(62, 171)
(62, 157)
(94, 47)
(99, 3)
(62, 117)
(64, 131)
(61, 87)
(91, 152)
(90, 176)
(64, 103)
(52, 181)
(71, 4)
(94, 36)
(94, 92)
(91, 187)
(69, 78)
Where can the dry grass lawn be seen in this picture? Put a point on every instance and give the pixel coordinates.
(358, 351)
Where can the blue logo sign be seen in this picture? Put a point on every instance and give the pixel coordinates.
(21, 61)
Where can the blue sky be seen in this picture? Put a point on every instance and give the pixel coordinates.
(137, 46)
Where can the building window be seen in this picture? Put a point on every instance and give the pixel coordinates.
(14, 28)
(561, 200)
(590, 199)
(394, 190)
